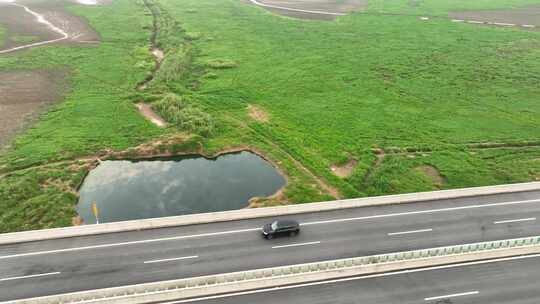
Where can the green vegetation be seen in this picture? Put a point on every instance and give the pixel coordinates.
(335, 90)
(97, 113)
(172, 87)
(40, 197)
(442, 7)
(181, 112)
(421, 94)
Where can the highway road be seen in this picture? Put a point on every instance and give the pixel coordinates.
(512, 281)
(74, 264)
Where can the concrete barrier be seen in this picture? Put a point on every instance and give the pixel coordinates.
(204, 218)
(294, 274)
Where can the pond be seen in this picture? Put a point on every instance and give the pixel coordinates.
(128, 190)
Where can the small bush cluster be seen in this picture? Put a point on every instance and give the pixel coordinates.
(176, 67)
(178, 110)
(221, 64)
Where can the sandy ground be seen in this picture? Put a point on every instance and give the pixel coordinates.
(148, 113)
(19, 22)
(344, 170)
(257, 114)
(23, 96)
(522, 16)
(436, 178)
(330, 6)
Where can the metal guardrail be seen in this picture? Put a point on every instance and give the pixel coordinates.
(282, 271)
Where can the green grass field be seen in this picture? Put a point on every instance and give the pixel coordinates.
(334, 90)
(423, 93)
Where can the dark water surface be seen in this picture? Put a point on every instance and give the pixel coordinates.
(127, 190)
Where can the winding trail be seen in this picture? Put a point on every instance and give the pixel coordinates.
(493, 23)
(295, 9)
(40, 19)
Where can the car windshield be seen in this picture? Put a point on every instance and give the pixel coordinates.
(274, 226)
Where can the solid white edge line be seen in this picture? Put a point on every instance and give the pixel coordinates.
(29, 276)
(429, 211)
(410, 232)
(296, 245)
(387, 274)
(172, 259)
(174, 238)
(516, 220)
(455, 295)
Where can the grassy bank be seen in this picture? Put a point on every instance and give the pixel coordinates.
(409, 100)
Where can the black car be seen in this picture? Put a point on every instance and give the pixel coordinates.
(281, 227)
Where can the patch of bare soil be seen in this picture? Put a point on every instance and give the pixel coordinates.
(23, 96)
(257, 114)
(158, 54)
(147, 111)
(436, 178)
(344, 170)
(518, 17)
(20, 23)
(293, 8)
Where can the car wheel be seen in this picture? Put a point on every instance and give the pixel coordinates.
(269, 236)
(293, 233)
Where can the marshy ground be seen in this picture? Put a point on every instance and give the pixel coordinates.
(390, 97)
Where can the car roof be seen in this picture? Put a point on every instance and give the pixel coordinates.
(286, 223)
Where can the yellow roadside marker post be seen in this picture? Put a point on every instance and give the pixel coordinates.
(95, 210)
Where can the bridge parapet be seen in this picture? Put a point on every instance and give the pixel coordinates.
(243, 214)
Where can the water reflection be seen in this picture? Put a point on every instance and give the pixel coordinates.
(126, 190)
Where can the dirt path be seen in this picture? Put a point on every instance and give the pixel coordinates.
(40, 19)
(147, 111)
(528, 17)
(317, 12)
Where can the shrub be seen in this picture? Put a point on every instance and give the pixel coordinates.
(176, 67)
(221, 64)
(178, 110)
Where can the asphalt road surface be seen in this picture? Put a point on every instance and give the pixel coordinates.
(83, 263)
(512, 281)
